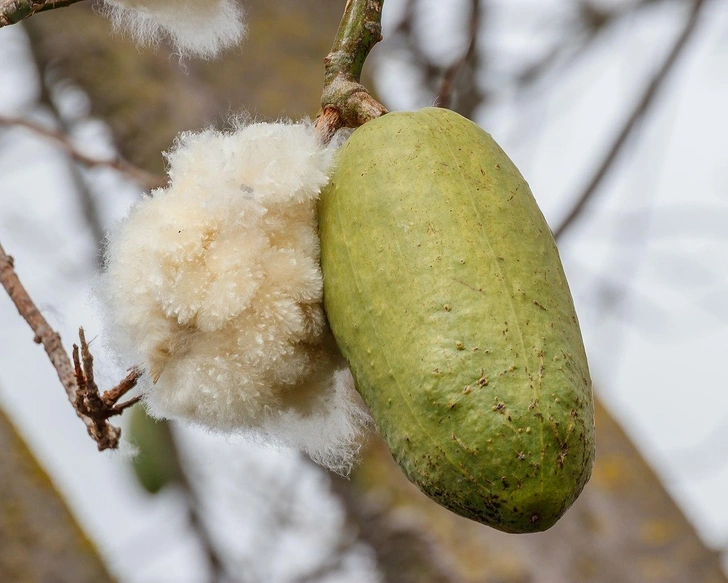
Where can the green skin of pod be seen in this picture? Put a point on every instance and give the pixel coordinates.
(445, 292)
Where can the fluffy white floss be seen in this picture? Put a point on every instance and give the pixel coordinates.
(195, 27)
(213, 285)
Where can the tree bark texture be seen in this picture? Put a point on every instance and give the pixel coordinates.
(39, 539)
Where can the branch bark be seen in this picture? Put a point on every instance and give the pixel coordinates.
(14, 11)
(91, 407)
(641, 108)
(345, 102)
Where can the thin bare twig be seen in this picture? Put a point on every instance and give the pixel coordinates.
(13, 11)
(641, 108)
(89, 399)
(345, 102)
(444, 96)
(145, 179)
(77, 379)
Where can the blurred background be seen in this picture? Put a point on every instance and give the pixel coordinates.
(614, 111)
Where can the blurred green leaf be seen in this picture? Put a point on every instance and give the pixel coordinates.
(156, 464)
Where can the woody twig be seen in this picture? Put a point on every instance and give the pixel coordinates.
(77, 378)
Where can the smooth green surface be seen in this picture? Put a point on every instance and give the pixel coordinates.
(445, 292)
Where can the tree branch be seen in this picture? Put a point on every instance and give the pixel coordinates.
(88, 203)
(637, 114)
(345, 102)
(93, 408)
(13, 11)
(145, 179)
(444, 96)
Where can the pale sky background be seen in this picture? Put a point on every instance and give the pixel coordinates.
(656, 234)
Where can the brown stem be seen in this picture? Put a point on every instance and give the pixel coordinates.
(112, 396)
(89, 399)
(345, 102)
(44, 334)
(641, 108)
(13, 11)
(77, 377)
(142, 177)
(444, 97)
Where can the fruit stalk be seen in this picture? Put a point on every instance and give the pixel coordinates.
(345, 102)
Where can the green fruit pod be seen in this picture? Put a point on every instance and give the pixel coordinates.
(445, 292)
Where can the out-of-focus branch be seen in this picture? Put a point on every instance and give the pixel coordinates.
(438, 84)
(404, 35)
(91, 406)
(13, 11)
(345, 102)
(145, 179)
(444, 97)
(216, 563)
(639, 111)
(89, 206)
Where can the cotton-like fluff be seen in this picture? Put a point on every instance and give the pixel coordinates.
(213, 286)
(196, 27)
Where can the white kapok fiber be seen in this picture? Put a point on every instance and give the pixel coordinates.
(199, 28)
(213, 286)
